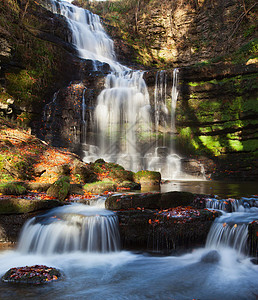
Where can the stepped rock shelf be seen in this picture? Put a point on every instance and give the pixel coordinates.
(173, 222)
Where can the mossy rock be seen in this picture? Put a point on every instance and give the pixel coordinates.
(84, 173)
(110, 171)
(147, 178)
(21, 206)
(129, 185)
(143, 200)
(13, 188)
(100, 187)
(37, 274)
(60, 188)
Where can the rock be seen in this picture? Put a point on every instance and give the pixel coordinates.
(36, 274)
(192, 167)
(83, 172)
(100, 187)
(253, 238)
(21, 206)
(60, 188)
(13, 188)
(211, 257)
(147, 178)
(38, 186)
(76, 189)
(164, 232)
(11, 224)
(150, 200)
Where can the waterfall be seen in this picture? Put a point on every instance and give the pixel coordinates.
(127, 127)
(71, 228)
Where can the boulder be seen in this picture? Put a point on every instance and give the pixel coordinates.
(60, 188)
(13, 188)
(100, 187)
(36, 274)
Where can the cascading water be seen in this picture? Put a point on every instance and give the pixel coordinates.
(231, 229)
(71, 228)
(123, 129)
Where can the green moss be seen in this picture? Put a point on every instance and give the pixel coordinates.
(100, 187)
(147, 177)
(12, 188)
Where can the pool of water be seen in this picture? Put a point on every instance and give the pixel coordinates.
(220, 188)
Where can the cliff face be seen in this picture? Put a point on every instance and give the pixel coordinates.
(184, 32)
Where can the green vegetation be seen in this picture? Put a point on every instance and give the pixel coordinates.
(12, 188)
(60, 188)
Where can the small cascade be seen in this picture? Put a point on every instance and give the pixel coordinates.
(231, 229)
(71, 228)
(223, 235)
(232, 205)
(88, 35)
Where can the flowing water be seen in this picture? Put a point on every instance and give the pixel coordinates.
(60, 239)
(127, 127)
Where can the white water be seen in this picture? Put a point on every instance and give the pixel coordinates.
(124, 130)
(124, 275)
(71, 228)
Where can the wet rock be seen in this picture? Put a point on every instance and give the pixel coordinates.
(162, 232)
(192, 167)
(149, 200)
(211, 257)
(11, 224)
(253, 238)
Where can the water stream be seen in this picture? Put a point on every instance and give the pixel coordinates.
(217, 271)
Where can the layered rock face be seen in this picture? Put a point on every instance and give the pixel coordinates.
(185, 32)
(216, 119)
